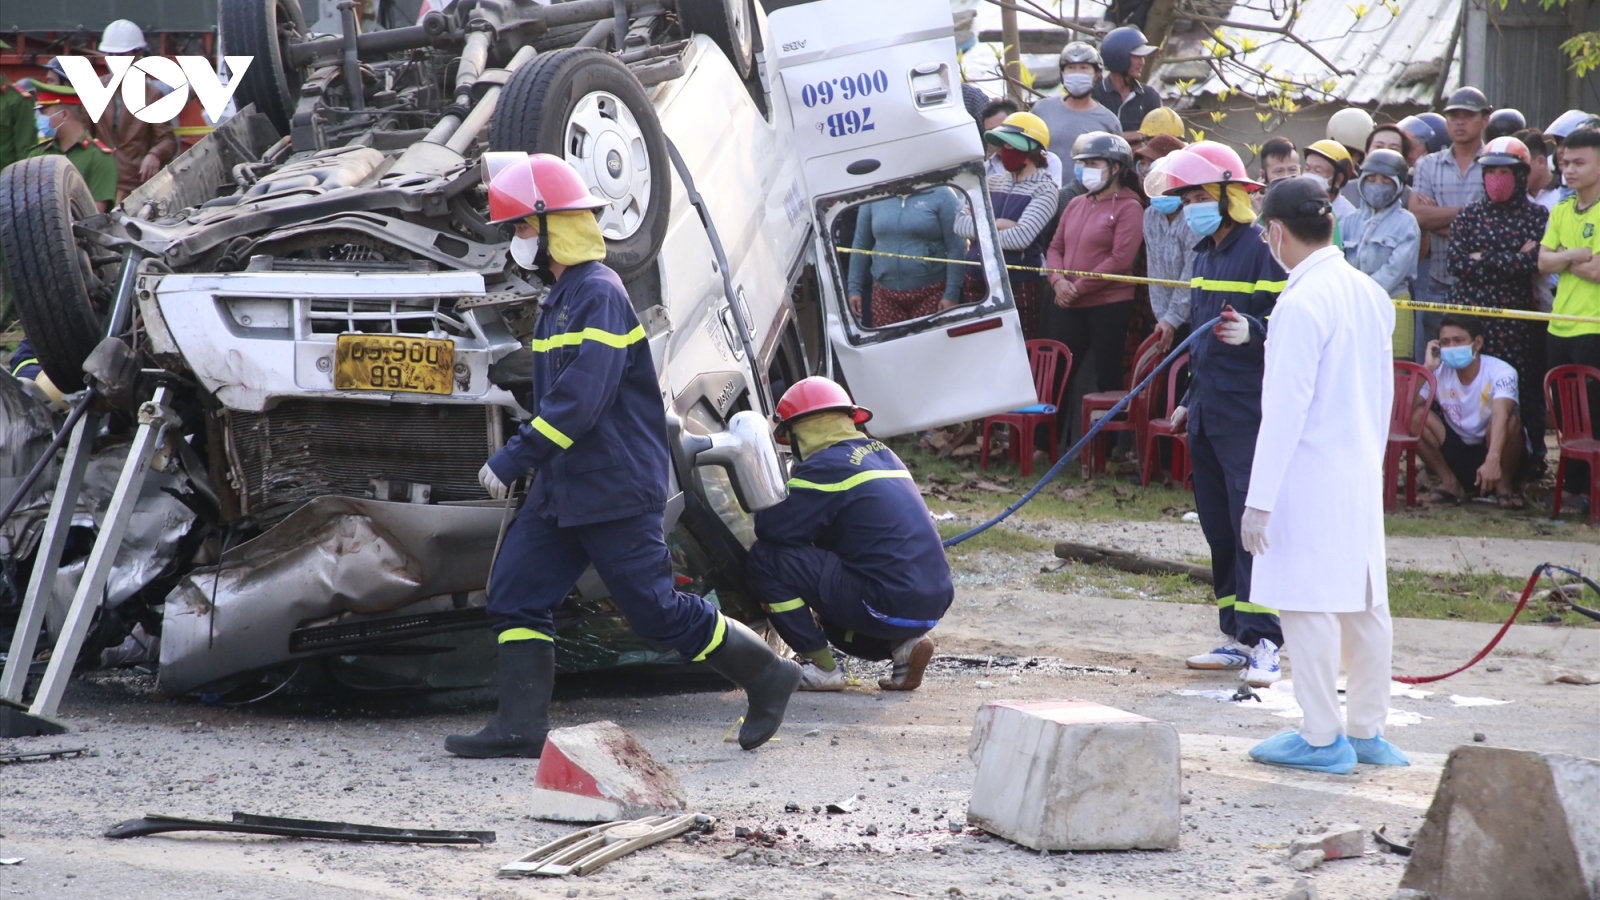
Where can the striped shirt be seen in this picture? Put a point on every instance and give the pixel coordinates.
(1041, 196)
(1437, 176)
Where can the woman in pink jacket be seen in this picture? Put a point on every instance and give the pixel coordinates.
(1100, 231)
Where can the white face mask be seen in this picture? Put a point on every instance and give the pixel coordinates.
(525, 250)
(1077, 83)
(1276, 250)
(1093, 179)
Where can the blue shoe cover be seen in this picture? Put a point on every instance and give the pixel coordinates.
(1378, 752)
(1290, 749)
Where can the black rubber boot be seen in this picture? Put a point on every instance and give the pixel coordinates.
(768, 681)
(526, 674)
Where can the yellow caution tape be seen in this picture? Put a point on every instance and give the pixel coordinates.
(1493, 312)
(1488, 312)
(1126, 279)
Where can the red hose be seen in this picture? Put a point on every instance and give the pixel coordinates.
(1526, 593)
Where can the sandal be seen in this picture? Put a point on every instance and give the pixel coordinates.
(1441, 497)
(1509, 501)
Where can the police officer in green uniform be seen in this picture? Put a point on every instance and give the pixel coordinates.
(17, 131)
(64, 129)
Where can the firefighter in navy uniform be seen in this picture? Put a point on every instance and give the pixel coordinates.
(852, 556)
(597, 448)
(1234, 277)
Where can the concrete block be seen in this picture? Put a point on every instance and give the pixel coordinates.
(1306, 860)
(599, 773)
(1075, 775)
(1510, 823)
(1338, 842)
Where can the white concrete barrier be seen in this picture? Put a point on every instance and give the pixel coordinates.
(1510, 824)
(1075, 775)
(599, 773)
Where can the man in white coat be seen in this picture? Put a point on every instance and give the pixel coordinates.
(1313, 516)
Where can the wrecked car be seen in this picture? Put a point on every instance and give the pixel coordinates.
(340, 335)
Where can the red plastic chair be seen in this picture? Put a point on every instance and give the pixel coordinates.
(1568, 391)
(1156, 429)
(1405, 435)
(1101, 402)
(1051, 362)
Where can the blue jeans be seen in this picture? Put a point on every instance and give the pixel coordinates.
(1427, 290)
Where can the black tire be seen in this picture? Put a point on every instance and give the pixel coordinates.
(534, 115)
(60, 298)
(264, 29)
(731, 24)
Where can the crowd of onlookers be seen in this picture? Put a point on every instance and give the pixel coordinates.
(1470, 207)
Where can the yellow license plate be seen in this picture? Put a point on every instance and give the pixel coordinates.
(380, 362)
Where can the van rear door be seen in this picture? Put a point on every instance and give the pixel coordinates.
(920, 312)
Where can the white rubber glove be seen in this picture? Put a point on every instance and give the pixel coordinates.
(1233, 329)
(1179, 415)
(492, 483)
(1253, 530)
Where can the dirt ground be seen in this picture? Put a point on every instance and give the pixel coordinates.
(379, 761)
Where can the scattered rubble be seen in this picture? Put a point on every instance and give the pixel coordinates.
(1338, 842)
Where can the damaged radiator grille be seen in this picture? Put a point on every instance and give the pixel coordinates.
(303, 449)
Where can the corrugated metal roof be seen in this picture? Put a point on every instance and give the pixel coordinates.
(1389, 55)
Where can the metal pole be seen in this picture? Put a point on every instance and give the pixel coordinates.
(1012, 53)
(47, 561)
(153, 420)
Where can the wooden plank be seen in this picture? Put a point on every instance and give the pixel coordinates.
(1131, 562)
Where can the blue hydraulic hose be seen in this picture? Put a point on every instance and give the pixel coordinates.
(1087, 437)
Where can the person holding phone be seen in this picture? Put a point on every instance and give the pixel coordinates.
(1473, 433)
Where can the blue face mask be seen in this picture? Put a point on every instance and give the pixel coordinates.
(42, 122)
(1077, 172)
(1204, 218)
(1456, 357)
(1165, 204)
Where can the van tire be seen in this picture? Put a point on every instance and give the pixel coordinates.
(534, 115)
(40, 199)
(731, 25)
(256, 28)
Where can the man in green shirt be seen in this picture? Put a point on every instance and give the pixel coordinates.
(1571, 248)
(64, 113)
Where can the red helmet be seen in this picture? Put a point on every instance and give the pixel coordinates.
(813, 395)
(1206, 162)
(544, 184)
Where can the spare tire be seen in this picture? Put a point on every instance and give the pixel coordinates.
(264, 29)
(586, 107)
(61, 297)
(731, 25)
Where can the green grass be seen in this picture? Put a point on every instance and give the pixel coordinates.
(1412, 594)
(1475, 597)
(957, 485)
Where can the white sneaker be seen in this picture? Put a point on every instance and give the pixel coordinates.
(910, 658)
(815, 678)
(1232, 655)
(1263, 670)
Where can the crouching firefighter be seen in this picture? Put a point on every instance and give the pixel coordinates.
(597, 448)
(852, 556)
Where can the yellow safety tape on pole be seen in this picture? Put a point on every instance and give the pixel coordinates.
(1490, 312)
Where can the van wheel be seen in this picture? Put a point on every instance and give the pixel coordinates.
(731, 24)
(583, 105)
(61, 295)
(264, 29)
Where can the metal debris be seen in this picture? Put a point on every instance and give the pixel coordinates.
(1392, 846)
(245, 823)
(41, 755)
(844, 806)
(584, 852)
